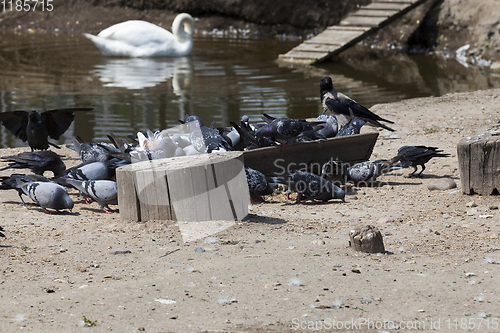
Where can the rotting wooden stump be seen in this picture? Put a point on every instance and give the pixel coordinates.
(366, 239)
(206, 187)
(479, 162)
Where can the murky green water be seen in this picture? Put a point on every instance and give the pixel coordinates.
(222, 80)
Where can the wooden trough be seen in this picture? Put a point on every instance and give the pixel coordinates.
(213, 187)
(206, 187)
(311, 155)
(479, 162)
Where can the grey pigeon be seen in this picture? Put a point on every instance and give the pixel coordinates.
(341, 105)
(250, 138)
(10, 182)
(47, 195)
(104, 192)
(230, 134)
(121, 145)
(210, 138)
(311, 186)
(121, 149)
(287, 130)
(92, 151)
(93, 171)
(352, 127)
(259, 184)
(418, 155)
(331, 126)
(36, 127)
(246, 136)
(37, 161)
(359, 173)
(246, 121)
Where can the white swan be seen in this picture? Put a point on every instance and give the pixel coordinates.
(143, 39)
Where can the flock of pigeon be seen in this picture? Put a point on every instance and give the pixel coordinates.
(94, 177)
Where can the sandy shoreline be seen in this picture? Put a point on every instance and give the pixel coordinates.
(286, 266)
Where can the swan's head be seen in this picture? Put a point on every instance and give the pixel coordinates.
(183, 27)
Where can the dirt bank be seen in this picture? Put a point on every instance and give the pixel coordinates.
(286, 266)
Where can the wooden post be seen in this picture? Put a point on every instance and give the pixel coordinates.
(196, 188)
(479, 162)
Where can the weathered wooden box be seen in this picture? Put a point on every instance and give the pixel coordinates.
(311, 155)
(479, 162)
(200, 188)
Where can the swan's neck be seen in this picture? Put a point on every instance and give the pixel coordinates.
(183, 27)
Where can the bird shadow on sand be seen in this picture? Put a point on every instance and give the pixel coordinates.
(312, 203)
(97, 210)
(254, 218)
(430, 176)
(33, 206)
(397, 183)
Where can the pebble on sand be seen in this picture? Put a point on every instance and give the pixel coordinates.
(442, 184)
(123, 251)
(366, 239)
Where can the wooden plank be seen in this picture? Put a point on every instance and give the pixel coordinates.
(363, 21)
(220, 205)
(311, 155)
(489, 169)
(375, 13)
(336, 35)
(476, 178)
(128, 200)
(153, 194)
(406, 2)
(366, 20)
(343, 33)
(232, 176)
(321, 47)
(306, 55)
(299, 60)
(189, 194)
(385, 6)
(347, 28)
(463, 155)
(329, 41)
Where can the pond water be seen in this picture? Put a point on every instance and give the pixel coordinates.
(223, 79)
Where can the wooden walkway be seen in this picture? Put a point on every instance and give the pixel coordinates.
(352, 29)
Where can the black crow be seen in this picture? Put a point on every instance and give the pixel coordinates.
(343, 106)
(37, 161)
(36, 127)
(418, 155)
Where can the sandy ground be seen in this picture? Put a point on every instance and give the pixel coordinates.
(286, 267)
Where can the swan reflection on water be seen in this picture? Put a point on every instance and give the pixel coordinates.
(139, 73)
